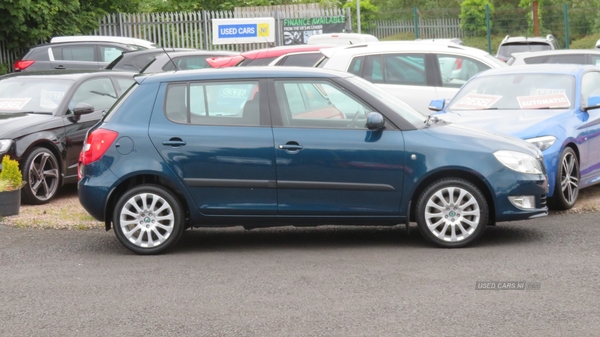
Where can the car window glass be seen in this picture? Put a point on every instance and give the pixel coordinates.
(595, 59)
(257, 62)
(98, 92)
(187, 62)
(318, 104)
(535, 60)
(516, 92)
(572, 58)
(302, 60)
(456, 69)
(32, 94)
(141, 61)
(590, 85)
(109, 53)
(373, 71)
(214, 103)
(407, 69)
(509, 49)
(355, 65)
(125, 83)
(74, 53)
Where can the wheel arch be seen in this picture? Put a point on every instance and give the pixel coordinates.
(471, 177)
(47, 144)
(142, 179)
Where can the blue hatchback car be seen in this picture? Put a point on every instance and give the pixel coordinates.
(554, 108)
(308, 147)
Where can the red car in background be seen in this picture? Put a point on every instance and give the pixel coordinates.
(261, 57)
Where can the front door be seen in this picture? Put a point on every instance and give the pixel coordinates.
(328, 163)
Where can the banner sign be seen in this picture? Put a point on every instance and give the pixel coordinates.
(297, 30)
(235, 31)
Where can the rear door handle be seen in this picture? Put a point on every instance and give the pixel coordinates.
(59, 67)
(174, 142)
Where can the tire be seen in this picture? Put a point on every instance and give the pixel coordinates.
(148, 219)
(42, 174)
(566, 188)
(452, 213)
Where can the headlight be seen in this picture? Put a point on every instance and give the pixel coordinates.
(542, 143)
(5, 145)
(519, 161)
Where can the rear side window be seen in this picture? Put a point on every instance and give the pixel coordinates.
(74, 53)
(404, 69)
(574, 59)
(187, 62)
(213, 103)
(535, 60)
(302, 60)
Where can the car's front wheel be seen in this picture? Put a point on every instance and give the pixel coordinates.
(566, 188)
(42, 175)
(452, 213)
(148, 219)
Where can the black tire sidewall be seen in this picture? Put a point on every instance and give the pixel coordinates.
(173, 202)
(558, 201)
(27, 195)
(444, 183)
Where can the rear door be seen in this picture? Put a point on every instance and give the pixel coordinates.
(74, 56)
(216, 136)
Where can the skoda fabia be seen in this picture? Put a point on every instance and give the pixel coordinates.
(259, 147)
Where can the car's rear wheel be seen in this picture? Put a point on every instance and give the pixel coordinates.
(566, 188)
(452, 213)
(42, 175)
(148, 219)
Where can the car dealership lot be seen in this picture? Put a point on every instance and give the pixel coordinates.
(330, 281)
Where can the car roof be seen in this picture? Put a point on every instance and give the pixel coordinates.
(569, 69)
(240, 73)
(100, 38)
(64, 74)
(555, 52)
(401, 45)
(281, 50)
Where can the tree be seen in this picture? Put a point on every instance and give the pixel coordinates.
(472, 15)
(368, 14)
(32, 21)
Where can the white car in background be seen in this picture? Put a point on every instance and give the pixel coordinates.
(567, 56)
(417, 72)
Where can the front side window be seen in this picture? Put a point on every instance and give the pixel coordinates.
(318, 104)
(98, 92)
(213, 103)
(590, 86)
(457, 69)
(516, 92)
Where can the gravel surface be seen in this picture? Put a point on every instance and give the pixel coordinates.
(65, 212)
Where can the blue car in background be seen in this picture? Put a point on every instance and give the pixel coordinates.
(553, 107)
(308, 147)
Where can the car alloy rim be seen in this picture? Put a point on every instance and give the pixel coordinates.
(147, 220)
(452, 214)
(568, 180)
(43, 176)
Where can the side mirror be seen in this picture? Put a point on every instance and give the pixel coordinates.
(592, 103)
(82, 109)
(437, 105)
(375, 121)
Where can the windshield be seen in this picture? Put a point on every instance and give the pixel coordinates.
(401, 108)
(32, 94)
(516, 92)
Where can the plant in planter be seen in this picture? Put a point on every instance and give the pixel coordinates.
(11, 182)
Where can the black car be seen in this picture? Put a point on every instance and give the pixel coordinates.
(92, 55)
(44, 117)
(138, 59)
(184, 60)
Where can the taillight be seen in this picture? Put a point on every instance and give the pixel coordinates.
(22, 64)
(98, 141)
(457, 64)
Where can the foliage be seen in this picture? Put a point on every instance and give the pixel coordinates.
(368, 13)
(472, 15)
(32, 21)
(585, 42)
(3, 68)
(10, 177)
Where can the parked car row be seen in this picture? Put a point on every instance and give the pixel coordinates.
(347, 139)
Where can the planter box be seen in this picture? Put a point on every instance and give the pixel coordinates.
(10, 202)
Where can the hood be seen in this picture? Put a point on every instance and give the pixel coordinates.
(478, 139)
(518, 123)
(10, 122)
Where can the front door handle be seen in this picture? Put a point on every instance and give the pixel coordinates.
(174, 142)
(59, 67)
(291, 146)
